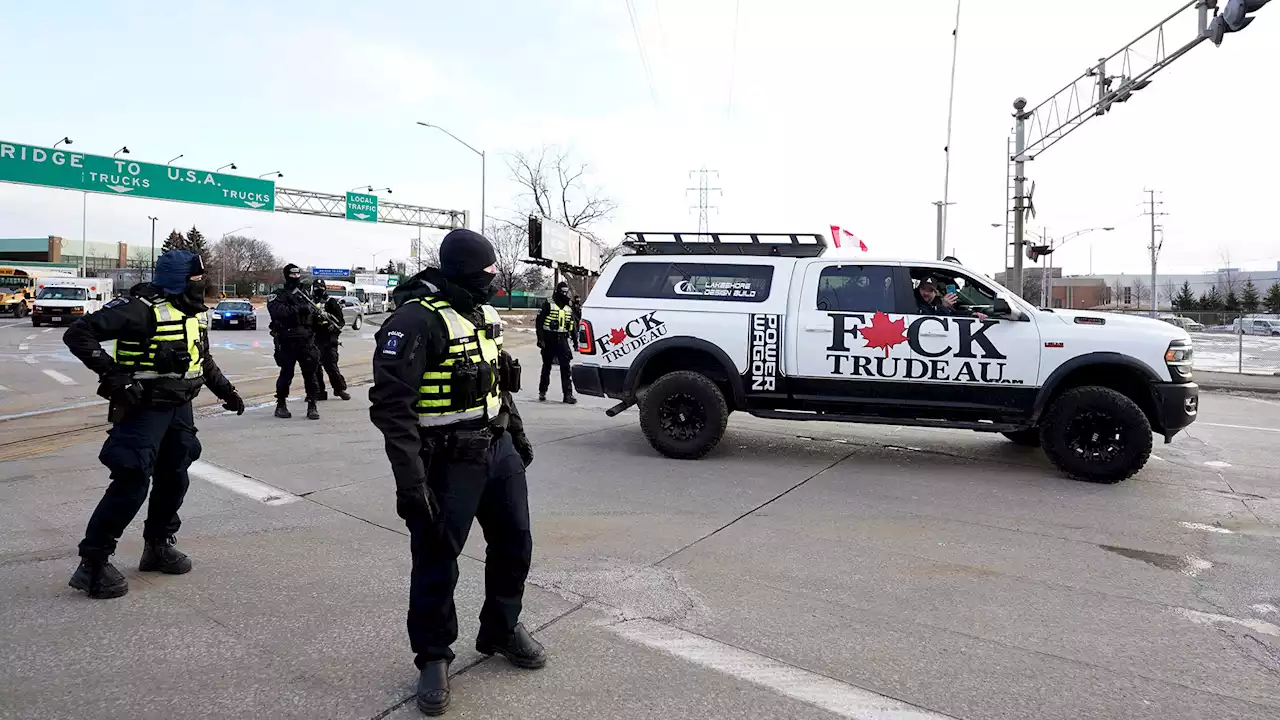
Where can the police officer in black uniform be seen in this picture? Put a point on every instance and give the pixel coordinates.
(161, 360)
(293, 319)
(441, 396)
(327, 328)
(555, 324)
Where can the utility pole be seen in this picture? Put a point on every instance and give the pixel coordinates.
(1019, 192)
(942, 227)
(704, 190)
(1154, 247)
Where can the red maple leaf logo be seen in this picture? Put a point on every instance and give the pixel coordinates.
(884, 333)
(617, 336)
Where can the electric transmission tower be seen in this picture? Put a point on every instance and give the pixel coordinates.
(704, 191)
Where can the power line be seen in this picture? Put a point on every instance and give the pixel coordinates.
(704, 191)
(644, 57)
(733, 59)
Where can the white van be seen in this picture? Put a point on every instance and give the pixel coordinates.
(338, 288)
(60, 300)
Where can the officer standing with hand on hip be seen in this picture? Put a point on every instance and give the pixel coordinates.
(161, 361)
(327, 331)
(293, 317)
(555, 324)
(441, 396)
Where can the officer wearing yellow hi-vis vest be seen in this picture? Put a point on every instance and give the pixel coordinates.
(556, 324)
(441, 396)
(160, 362)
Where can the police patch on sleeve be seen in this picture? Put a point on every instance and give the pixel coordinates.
(116, 302)
(393, 343)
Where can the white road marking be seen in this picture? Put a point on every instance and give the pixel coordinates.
(1192, 566)
(16, 324)
(1241, 427)
(1157, 457)
(242, 484)
(1217, 464)
(1264, 608)
(3, 389)
(60, 377)
(46, 411)
(1204, 618)
(834, 696)
(29, 359)
(1207, 528)
(47, 330)
(24, 346)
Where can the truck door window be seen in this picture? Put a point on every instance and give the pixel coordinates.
(856, 288)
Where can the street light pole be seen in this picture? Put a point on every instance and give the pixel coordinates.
(483, 169)
(153, 246)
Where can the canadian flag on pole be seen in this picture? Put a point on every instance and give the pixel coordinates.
(837, 231)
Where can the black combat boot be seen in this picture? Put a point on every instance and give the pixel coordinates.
(569, 399)
(99, 578)
(313, 413)
(519, 647)
(342, 394)
(161, 556)
(322, 395)
(282, 410)
(433, 687)
(542, 396)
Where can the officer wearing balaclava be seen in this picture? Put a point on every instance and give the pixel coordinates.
(441, 396)
(327, 342)
(293, 322)
(556, 324)
(160, 362)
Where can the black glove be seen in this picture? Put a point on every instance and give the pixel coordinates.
(523, 448)
(417, 505)
(234, 403)
(120, 389)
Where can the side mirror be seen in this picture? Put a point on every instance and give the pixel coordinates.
(1001, 308)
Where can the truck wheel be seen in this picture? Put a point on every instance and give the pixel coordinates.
(1026, 438)
(1096, 434)
(683, 415)
(355, 324)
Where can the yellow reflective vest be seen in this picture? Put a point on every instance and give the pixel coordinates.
(436, 405)
(177, 333)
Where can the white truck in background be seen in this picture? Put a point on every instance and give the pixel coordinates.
(60, 300)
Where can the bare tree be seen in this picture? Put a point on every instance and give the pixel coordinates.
(1141, 293)
(555, 186)
(140, 257)
(1227, 281)
(1117, 293)
(241, 261)
(1168, 292)
(510, 245)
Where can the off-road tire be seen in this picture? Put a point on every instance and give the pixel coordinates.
(702, 391)
(1134, 432)
(1026, 438)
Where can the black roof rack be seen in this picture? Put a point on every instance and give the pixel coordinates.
(693, 243)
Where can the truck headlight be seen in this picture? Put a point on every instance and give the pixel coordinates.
(1178, 357)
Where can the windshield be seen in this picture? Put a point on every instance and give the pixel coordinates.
(63, 293)
(235, 306)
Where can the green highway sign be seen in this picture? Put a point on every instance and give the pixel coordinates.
(362, 207)
(47, 167)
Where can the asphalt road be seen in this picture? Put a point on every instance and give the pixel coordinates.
(38, 373)
(799, 571)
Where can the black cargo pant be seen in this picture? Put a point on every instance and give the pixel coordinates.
(555, 347)
(152, 445)
(328, 349)
(297, 351)
(491, 490)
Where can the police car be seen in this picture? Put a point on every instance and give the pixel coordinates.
(693, 328)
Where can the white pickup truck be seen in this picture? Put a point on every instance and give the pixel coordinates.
(61, 300)
(695, 327)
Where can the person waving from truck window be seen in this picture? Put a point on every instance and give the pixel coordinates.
(930, 302)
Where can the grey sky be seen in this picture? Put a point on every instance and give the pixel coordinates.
(838, 116)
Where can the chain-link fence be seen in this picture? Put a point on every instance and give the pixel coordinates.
(1231, 342)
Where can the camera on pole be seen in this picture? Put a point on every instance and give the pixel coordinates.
(1233, 18)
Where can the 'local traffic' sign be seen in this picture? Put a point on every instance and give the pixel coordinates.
(48, 167)
(362, 207)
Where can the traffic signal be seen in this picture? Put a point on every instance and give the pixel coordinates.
(1233, 18)
(1035, 252)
